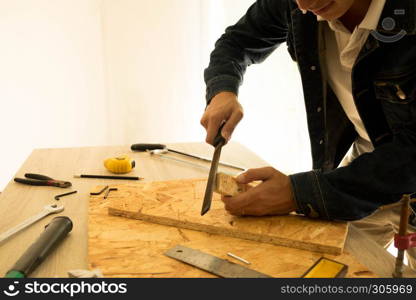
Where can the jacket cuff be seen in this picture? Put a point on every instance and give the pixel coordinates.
(223, 83)
(308, 195)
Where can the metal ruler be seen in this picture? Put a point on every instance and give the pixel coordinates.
(212, 264)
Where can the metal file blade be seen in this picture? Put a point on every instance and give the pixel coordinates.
(211, 180)
(219, 141)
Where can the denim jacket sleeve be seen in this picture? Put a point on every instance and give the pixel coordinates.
(370, 181)
(254, 37)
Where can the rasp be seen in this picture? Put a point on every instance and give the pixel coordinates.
(219, 141)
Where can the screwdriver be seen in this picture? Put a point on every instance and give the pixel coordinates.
(160, 149)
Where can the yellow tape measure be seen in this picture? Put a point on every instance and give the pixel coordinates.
(326, 268)
(119, 165)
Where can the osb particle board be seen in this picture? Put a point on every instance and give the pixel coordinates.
(122, 247)
(178, 203)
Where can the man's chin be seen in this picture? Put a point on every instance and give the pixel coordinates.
(330, 16)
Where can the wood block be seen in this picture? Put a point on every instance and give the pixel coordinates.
(122, 247)
(226, 185)
(178, 203)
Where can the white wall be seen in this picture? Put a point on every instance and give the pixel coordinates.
(51, 78)
(100, 72)
(154, 78)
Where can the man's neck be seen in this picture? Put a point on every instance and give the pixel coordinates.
(356, 14)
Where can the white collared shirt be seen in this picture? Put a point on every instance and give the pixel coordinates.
(342, 50)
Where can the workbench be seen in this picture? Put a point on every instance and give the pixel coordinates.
(18, 202)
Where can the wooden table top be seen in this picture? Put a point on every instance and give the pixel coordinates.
(19, 202)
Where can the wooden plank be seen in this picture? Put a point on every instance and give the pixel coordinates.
(122, 247)
(177, 203)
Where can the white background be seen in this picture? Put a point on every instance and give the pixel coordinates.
(116, 72)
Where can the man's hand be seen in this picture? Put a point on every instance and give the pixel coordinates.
(273, 196)
(223, 107)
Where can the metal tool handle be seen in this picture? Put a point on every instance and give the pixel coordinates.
(204, 159)
(182, 161)
(162, 149)
(146, 147)
(219, 139)
(50, 238)
(30, 181)
(37, 176)
(46, 211)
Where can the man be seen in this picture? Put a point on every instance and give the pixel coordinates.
(357, 60)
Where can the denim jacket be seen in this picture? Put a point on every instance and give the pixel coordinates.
(384, 91)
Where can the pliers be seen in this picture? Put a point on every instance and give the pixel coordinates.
(37, 179)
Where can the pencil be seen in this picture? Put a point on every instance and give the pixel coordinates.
(108, 177)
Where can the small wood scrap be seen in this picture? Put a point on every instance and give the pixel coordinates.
(227, 185)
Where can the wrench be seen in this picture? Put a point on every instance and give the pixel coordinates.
(47, 210)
